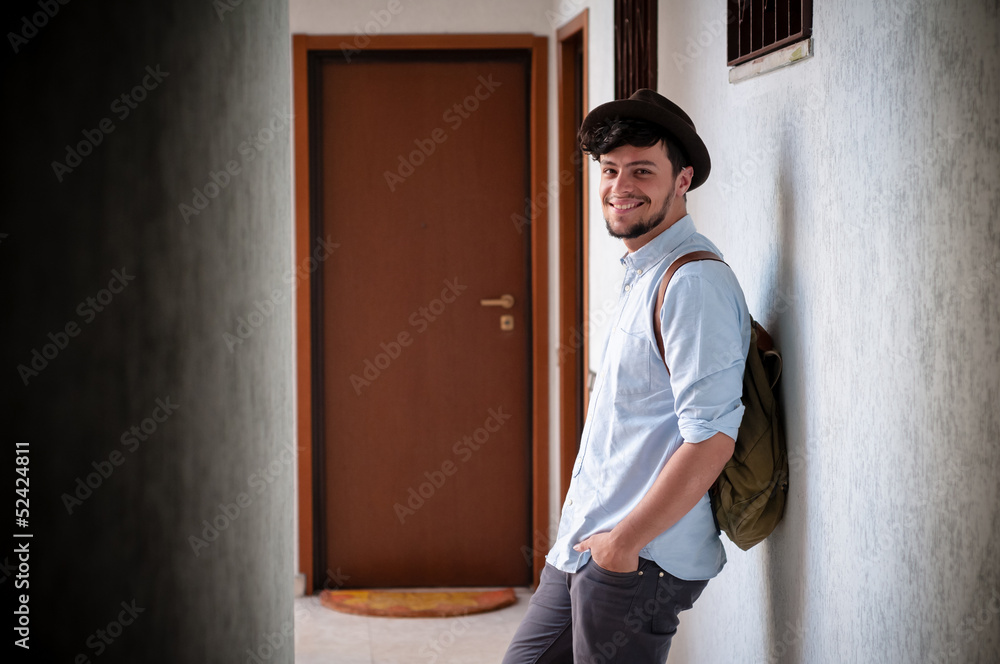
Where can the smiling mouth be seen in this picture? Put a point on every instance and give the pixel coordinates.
(624, 207)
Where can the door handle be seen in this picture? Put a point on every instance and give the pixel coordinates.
(506, 301)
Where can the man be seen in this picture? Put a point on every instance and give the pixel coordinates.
(637, 540)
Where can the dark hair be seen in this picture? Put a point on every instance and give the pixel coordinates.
(606, 136)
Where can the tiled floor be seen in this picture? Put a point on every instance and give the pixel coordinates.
(329, 637)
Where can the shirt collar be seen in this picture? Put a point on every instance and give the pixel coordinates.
(663, 244)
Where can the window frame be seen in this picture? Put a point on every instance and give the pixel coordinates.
(635, 46)
(751, 33)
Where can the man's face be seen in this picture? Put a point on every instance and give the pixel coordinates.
(637, 189)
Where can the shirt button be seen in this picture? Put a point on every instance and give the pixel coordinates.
(639, 271)
(661, 574)
(569, 502)
(628, 287)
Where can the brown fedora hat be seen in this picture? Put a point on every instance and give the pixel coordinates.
(649, 105)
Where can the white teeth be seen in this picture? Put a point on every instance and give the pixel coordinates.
(625, 207)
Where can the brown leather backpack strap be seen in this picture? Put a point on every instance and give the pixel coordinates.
(770, 357)
(676, 265)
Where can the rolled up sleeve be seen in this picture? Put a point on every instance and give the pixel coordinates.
(706, 332)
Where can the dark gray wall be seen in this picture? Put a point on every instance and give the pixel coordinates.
(160, 340)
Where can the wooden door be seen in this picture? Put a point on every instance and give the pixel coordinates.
(422, 159)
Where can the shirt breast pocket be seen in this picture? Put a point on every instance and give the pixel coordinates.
(633, 365)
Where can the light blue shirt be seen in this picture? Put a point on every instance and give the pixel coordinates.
(639, 415)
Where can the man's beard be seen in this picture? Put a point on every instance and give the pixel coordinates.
(645, 224)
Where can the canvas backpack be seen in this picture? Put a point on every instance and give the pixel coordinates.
(748, 498)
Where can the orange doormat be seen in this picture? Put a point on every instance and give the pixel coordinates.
(430, 604)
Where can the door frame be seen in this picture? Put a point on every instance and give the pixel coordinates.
(305, 296)
(573, 330)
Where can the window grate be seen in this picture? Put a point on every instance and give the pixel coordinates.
(635, 46)
(757, 27)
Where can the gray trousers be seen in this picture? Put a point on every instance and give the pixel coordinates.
(596, 616)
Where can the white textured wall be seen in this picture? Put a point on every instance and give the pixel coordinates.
(372, 17)
(856, 195)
